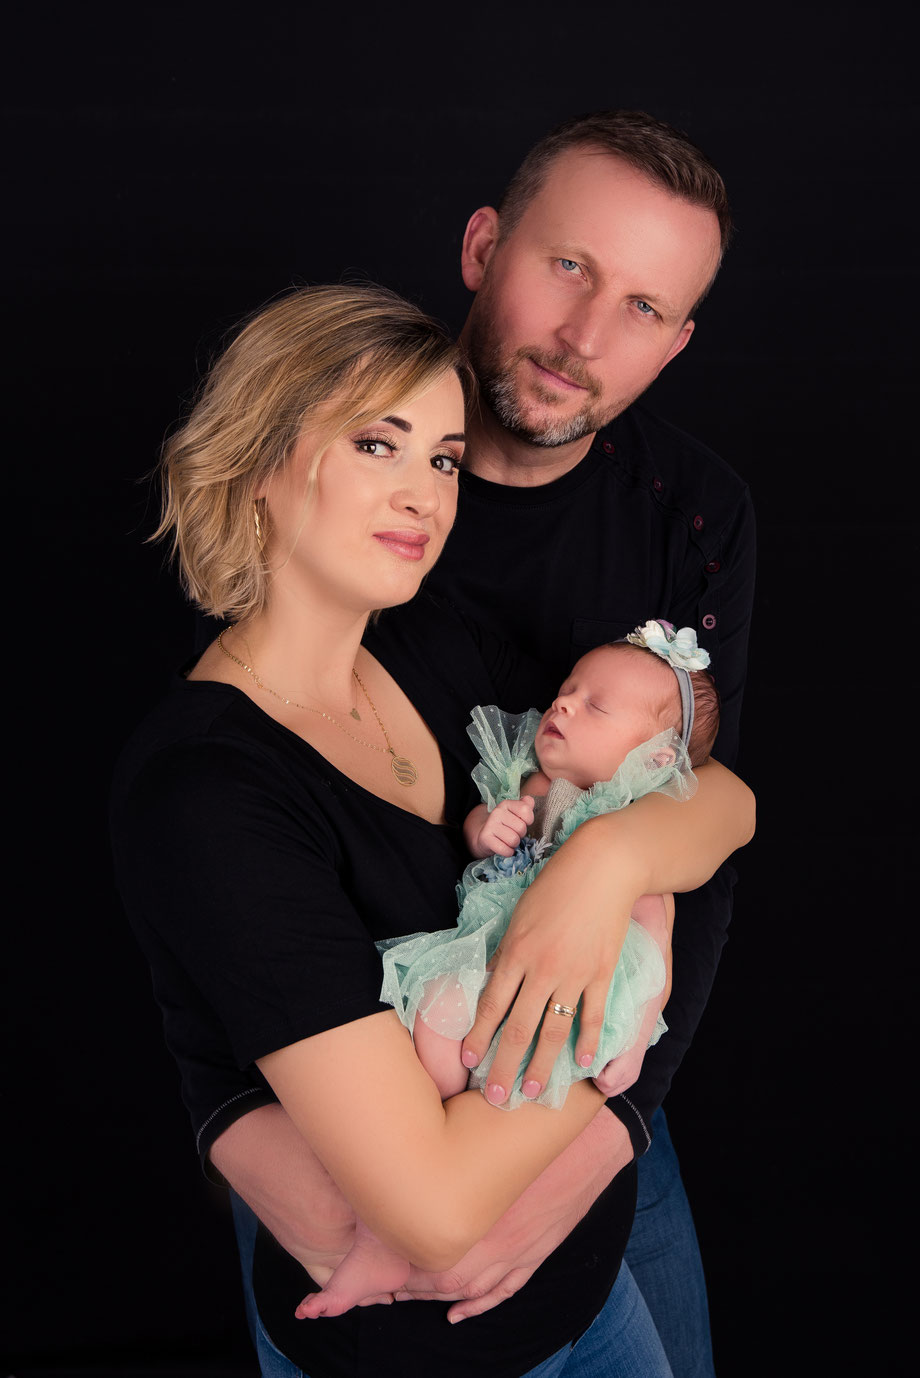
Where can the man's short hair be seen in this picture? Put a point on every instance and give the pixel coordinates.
(660, 152)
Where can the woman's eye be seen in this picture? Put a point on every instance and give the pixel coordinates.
(380, 449)
(447, 464)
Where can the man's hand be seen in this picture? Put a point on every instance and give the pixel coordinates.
(525, 1236)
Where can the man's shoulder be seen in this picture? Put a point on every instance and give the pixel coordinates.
(681, 470)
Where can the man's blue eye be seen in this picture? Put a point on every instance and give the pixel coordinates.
(569, 265)
(645, 309)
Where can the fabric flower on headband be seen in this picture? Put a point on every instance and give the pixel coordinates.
(679, 648)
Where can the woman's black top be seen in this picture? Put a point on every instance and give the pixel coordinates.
(257, 878)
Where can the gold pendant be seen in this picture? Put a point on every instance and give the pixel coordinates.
(403, 769)
(356, 715)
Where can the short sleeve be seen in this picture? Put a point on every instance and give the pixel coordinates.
(233, 891)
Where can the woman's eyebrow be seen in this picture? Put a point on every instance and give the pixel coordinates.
(404, 425)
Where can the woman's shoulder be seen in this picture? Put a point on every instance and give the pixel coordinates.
(203, 741)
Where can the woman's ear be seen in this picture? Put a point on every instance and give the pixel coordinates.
(479, 242)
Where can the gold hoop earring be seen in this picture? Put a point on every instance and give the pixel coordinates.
(260, 534)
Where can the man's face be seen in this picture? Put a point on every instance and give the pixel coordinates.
(579, 309)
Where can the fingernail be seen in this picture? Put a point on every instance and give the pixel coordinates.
(531, 1089)
(469, 1058)
(455, 1320)
(586, 1059)
(495, 1094)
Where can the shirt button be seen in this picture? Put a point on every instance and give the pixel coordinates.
(709, 621)
(609, 447)
(713, 567)
(657, 485)
(698, 523)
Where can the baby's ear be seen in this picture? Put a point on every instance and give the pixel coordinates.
(665, 756)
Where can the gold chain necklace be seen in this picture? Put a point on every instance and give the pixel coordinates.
(403, 769)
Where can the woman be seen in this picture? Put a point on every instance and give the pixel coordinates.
(299, 795)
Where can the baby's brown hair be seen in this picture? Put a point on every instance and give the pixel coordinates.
(706, 704)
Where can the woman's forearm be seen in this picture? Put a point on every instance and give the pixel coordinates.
(659, 844)
(428, 1179)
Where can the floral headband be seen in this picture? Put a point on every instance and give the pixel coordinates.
(680, 650)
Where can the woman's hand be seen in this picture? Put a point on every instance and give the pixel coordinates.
(562, 946)
(564, 939)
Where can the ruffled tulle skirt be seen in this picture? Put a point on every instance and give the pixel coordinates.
(438, 977)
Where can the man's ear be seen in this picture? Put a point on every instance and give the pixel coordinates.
(680, 343)
(665, 756)
(479, 242)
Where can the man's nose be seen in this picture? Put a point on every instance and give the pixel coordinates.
(587, 328)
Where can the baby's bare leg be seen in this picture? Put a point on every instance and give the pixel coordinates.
(438, 1035)
(369, 1269)
(440, 1058)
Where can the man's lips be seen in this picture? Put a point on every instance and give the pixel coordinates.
(409, 544)
(559, 380)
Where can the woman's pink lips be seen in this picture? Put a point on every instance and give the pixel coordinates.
(409, 544)
(558, 378)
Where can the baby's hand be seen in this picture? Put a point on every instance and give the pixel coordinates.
(505, 826)
(622, 1072)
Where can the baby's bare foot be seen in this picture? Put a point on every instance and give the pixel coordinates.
(367, 1271)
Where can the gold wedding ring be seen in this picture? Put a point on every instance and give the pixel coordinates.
(567, 1010)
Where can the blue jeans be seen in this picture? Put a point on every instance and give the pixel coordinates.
(664, 1258)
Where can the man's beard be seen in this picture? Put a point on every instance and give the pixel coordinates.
(500, 390)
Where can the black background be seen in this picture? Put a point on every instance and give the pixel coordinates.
(173, 168)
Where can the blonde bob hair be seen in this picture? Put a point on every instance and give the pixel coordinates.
(324, 358)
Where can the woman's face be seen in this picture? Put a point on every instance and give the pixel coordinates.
(381, 508)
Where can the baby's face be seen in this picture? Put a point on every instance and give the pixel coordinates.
(610, 703)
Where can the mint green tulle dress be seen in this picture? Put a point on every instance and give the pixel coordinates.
(439, 976)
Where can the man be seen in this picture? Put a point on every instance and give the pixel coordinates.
(581, 516)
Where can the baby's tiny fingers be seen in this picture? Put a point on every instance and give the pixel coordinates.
(609, 1078)
(522, 809)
